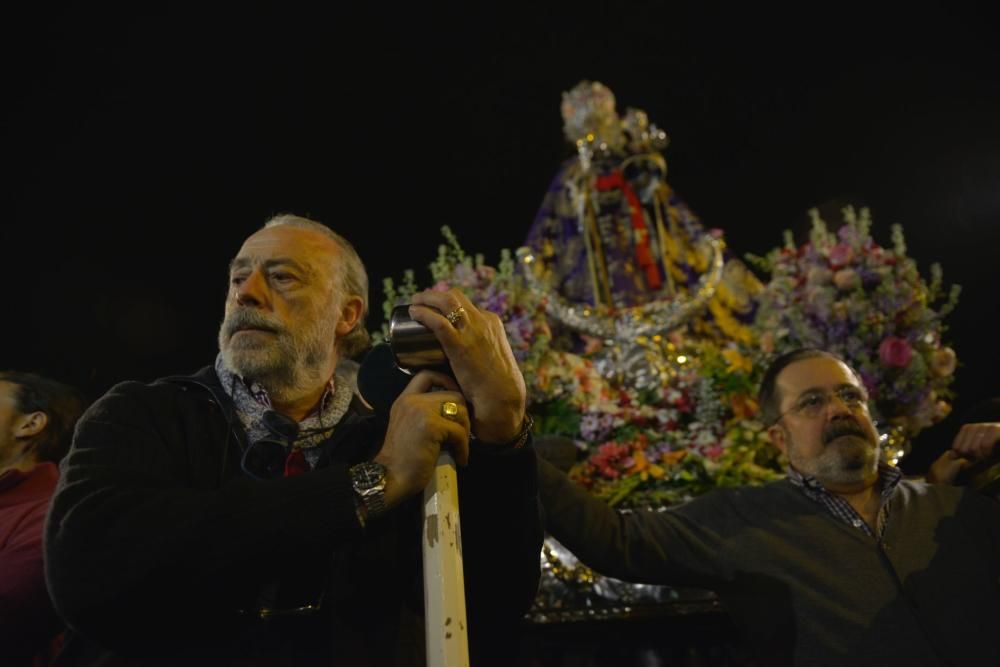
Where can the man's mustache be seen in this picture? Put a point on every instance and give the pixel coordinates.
(247, 318)
(841, 427)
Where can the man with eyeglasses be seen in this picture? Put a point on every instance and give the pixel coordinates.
(843, 562)
(256, 513)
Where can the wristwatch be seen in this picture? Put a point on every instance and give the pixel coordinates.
(368, 479)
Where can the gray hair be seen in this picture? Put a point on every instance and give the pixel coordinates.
(351, 275)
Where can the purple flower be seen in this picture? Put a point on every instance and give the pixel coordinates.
(595, 426)
(871, 383)
(495, 301)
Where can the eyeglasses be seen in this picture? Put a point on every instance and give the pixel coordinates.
(265, 458)
(813, 403)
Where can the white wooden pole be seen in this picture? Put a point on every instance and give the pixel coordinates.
(446, 629)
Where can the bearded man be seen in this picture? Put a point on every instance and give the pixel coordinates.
(842, 563)
(257, 513)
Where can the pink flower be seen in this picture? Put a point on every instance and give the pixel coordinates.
(895, 352)
(592, 344)
(846, 280)
(713, 452)
(441, 286)
(841, 255)
(943, 362)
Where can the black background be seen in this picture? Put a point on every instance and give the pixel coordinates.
(142, 149)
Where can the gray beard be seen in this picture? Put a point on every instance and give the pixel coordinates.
(851, 460)
(284, 364)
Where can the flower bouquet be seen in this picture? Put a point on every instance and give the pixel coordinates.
(696, 429)
(653, 446)
(845, 293)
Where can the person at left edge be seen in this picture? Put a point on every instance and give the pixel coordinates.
(252, 513)
(37, 416)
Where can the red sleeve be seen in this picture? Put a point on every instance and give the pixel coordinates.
(27, 619)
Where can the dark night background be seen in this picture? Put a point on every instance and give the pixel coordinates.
(142, 149)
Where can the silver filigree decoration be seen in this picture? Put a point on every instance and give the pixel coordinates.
(655, 318)
(570, 591)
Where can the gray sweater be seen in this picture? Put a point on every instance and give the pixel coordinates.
(806, 588)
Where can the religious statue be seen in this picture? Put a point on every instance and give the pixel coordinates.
(618, 254)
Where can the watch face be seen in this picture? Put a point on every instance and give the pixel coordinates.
(368, 475)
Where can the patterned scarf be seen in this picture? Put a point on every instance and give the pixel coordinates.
(252, 401)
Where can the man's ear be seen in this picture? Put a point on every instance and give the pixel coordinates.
(778, 436)
(350, 313)
(29, 425)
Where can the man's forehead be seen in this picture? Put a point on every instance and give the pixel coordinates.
(8, 392)
(284, 241)
(814, 373)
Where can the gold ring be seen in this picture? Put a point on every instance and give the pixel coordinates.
(449, 410)
(455, 315)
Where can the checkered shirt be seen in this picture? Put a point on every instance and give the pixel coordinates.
(889, 477)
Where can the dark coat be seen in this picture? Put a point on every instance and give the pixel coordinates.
(160, 548)
(805, 587)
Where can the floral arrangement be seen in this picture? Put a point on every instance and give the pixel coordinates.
(845, 293)
(636, 447)
(658, 447)
(698, 430)
(496, 289)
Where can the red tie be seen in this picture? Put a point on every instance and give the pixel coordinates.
(296, 463)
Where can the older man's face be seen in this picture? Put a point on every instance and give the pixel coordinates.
(283, 309)
(837, 444)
